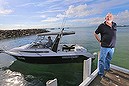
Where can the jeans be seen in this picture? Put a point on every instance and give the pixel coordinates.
(106, 55)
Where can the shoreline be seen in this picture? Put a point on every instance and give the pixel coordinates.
(5, 34)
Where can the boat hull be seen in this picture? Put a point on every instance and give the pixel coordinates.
(52, 59)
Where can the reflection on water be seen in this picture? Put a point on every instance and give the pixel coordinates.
(24, 74)
(12, 79)
(66, 74)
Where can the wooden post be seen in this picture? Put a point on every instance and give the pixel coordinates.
(51, 82)
(86, 68)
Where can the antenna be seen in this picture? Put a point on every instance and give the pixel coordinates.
(64, 19)
(63, 22)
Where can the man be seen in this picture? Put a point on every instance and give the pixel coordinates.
(107, 31)
(49, 43)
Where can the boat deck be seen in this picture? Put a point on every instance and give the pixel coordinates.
(112, 78)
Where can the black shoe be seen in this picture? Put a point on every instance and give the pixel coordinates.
(103, 76)
(100, 77)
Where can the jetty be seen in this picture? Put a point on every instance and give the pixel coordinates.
(4, 34)
(118, 76)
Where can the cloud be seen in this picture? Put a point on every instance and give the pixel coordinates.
(27, 4)
(86, 22)
(72, 12)
(39, 3)
(43, 16)
(79, 11)
(50, 11)
(103, 5)
(3, 10)
(84, 10)
(84, 13)
(122, 18)
(51, 19)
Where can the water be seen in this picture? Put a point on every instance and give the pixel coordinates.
(16, 73)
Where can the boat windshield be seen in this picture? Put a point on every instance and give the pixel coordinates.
(42, 42)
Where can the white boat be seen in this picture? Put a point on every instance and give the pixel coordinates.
(37, 52)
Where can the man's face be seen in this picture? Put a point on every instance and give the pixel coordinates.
(109, 18)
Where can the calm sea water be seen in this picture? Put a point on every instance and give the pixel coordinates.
(16, 73)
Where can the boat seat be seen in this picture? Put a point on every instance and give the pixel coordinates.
(66, 47)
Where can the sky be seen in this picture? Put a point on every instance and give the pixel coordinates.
(26, 14)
